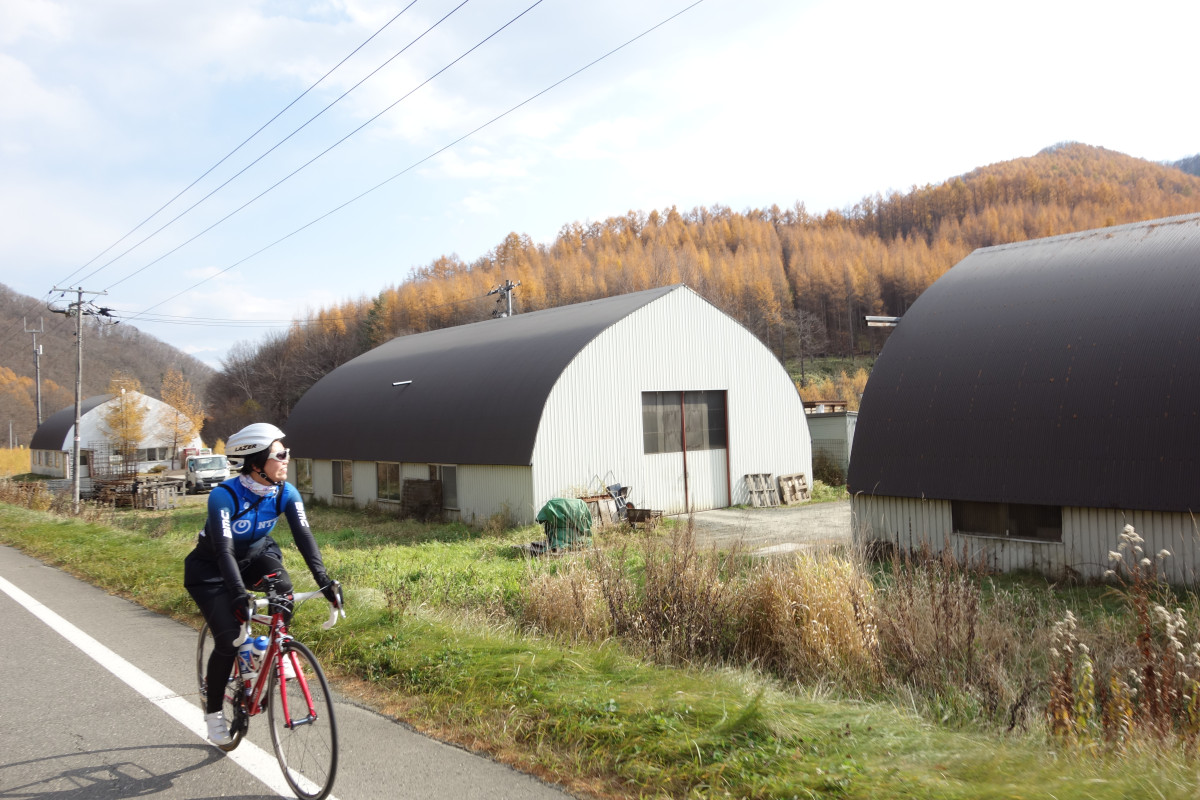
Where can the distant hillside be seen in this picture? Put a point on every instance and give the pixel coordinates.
(1190, 165)
(802, 282)
(107, 349)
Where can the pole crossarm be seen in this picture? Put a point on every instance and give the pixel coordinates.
(77, 310)
(507, 290)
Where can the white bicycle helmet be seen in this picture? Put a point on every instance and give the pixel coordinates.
(250, 440)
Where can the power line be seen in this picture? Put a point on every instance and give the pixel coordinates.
(324, 152)
(432, 155)
(232, 152)
(227, 322)
(46, 297)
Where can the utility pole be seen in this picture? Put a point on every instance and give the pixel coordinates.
(506, 289)
(77, 310)
(37, 364)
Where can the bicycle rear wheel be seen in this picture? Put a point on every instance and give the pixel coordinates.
(303, 728)
(233, 706)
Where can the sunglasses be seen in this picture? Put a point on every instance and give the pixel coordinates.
(282, 455)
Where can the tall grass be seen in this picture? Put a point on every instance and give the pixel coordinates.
(963, 648)
(1146, 689)
(920, 627)
(812, 618)
(36, 496)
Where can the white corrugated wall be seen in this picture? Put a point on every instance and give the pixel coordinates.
(322, 479)
(1088, 535)
(591, 429)
(484, 491)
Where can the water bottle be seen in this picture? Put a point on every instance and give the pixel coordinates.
(245, 658)
(259, 649)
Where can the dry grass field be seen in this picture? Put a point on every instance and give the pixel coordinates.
(13, 462)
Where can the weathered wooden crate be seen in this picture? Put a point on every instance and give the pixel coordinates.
(603, 508)
(794, 488)
(761, 487)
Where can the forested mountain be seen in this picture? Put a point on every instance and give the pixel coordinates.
(1190, 165)
(801, 282)
(108, 349)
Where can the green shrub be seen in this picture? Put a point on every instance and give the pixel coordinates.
(827, 470)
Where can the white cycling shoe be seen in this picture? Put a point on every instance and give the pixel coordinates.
(218, 730)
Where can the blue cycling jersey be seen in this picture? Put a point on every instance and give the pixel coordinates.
(247, 517)
(238, 520)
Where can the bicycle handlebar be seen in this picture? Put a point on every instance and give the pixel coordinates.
(335, 611)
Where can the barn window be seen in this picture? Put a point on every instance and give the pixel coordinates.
(302, 474)
(151, 454)
(343, 478)
(387, 481)
(448, 475)
(669, 419)
(1015, 520)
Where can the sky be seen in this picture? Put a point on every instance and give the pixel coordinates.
(113, 110)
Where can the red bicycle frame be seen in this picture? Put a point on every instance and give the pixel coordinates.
(255, 690)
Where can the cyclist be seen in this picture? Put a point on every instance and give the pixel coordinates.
(235, 550)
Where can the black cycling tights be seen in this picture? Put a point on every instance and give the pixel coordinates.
(216, 606)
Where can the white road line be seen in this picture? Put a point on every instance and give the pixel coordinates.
(248, 756)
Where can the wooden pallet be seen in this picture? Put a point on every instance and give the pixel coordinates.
(761, 487)
(793, 488)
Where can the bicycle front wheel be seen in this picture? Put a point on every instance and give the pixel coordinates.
(234, 708)
(303, 728)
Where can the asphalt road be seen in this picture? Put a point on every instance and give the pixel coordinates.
(71, 729)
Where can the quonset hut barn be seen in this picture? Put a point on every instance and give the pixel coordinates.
(1039, 397)
(52, 448)
(656, 390)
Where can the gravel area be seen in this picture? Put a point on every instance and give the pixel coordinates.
(767, 531)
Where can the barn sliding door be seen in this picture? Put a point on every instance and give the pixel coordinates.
(685, 442)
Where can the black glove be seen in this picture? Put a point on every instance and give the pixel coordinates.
(241, 607)
(330, 589)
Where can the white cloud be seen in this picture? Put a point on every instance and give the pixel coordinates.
(30, 102)
(479, 164)
(31, 19)
(604, 139)
(478, 203)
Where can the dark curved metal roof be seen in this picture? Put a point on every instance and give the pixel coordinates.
(1061, 371)
(52, 433)
(476, 394)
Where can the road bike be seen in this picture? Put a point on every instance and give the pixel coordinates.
(291, 687)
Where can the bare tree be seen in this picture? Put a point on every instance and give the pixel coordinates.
(804, 334)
